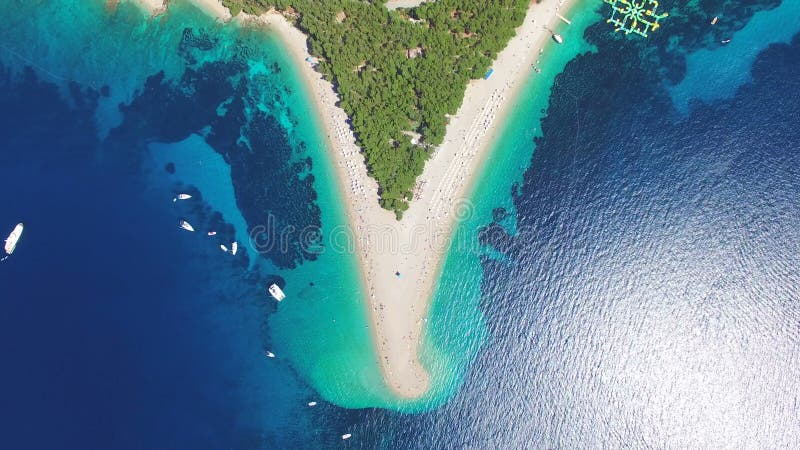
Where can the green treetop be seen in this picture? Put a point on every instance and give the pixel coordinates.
(399, 73)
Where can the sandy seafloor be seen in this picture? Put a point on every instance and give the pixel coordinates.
(647, 294)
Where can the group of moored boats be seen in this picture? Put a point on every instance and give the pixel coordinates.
(188, 227)
(233, 250)
(273, 289)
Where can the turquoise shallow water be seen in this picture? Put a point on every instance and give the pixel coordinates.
(181, 104)
(646, 295)
(325, 332)
(244, 100)
(615, 293)
(339, 366)
(239, 78)
(456, 329)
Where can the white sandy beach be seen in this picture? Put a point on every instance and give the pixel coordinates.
(414, 246)
(153, 6)
(213, 8)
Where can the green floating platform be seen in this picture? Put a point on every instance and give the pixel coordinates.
(635, 16)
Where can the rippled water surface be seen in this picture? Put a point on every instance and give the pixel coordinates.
(640, 289)
(650, 295)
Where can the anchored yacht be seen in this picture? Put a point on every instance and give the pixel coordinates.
(276, 292)
(186, 226)
(12, 239)
(234, 248)
(182, 197)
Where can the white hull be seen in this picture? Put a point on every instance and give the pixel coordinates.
(276, 292)
(234, 248)
(13, 238)
(186, 226)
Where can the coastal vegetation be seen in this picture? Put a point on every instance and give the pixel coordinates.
(399, 74)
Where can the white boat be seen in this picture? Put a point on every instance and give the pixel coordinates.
(269, 354)
(234, 248)
(312, 403)
(347, 436)
(212, 233)
(276, 292)
(224, 249)
(558, 38)
(182, 197)
(13, 238)
(186, 226)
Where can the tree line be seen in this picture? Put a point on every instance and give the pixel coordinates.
(400, 73)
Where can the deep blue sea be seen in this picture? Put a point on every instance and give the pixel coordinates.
(649, 295)
(117, 329)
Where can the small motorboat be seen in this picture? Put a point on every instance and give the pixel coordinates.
(212, 233)
(346, 436)
(224, 249)
(276, 292)
(234, 248)
(12, 240)
(714, 20)
(269, 354)
(186, 226)
(558, 38)
(725, 41)
(312, 403)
